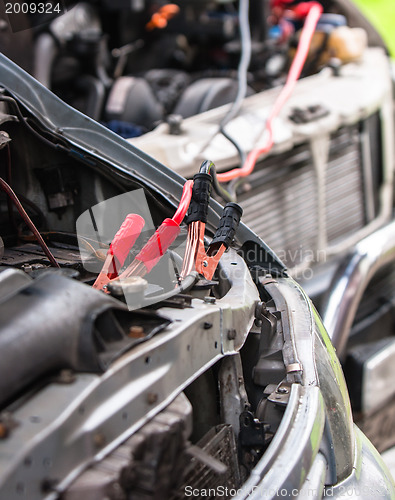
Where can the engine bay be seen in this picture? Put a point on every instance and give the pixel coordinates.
(152, 342)
(112, 368)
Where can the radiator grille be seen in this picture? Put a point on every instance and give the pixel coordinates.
(281, 202)
(219, 443)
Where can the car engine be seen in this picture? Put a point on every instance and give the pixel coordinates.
(153, 345)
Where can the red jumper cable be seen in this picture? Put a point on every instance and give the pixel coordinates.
(123, 241)
(161, 240)
(312, 11)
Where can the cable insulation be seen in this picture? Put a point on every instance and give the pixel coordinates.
(293, 75)
(8, 190)
(186, 197)
(242, 70)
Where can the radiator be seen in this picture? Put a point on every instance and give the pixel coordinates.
(280, 200)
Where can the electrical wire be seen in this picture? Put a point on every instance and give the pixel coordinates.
(242, 79)
(24, 122)
(312, 18)
(9, 180)
(242, 71)
(183, 206)
(240, 152)
(43, 223)
(208, 167)
(183, 287)
(8, 190)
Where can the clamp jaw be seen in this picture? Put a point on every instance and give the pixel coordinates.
(196, 195)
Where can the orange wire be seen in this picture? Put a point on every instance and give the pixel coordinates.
(159, 19)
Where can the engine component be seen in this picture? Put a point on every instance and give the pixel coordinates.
(59, 186)
(217, 448)
(148, 465)
(45, 446)
(87, 340)
(347, 44)
(167, 85)
(132, 100)
(205, 94)
(196, 257)
(254, 437)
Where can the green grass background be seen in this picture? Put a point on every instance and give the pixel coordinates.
(381, 14)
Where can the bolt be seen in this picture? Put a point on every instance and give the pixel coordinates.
(259, 308)
(152, 398)
(136, 332)
(335, 65)
(99, 440)
(246, 187)
(66, 377)
(209, 300)
(174, 122)
(205, 263)
(282, 390)
(231, 334)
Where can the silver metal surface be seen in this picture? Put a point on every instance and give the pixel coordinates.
(377, 378)
(351, 280)
(370, 477)
(313, 487)
(11, 281)
(90, 417)
(306, 340)
(232, 391)
(298, 328)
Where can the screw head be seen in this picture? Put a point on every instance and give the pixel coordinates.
(152, 398)
(282, 390)
(99, 440)
(136, 332)
(209, 300)
(231, 334)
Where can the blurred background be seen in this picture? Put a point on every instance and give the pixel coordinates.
(381, 13)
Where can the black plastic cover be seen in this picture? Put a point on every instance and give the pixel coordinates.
(201, 192)
(228, 225)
